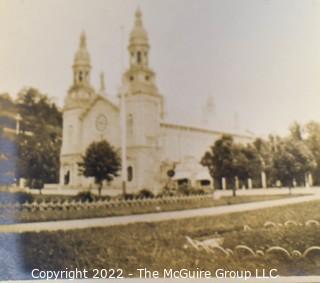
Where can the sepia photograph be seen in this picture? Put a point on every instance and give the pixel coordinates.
(160, 140)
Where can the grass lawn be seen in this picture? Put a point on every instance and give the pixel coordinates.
(35, 216)
(163, 245)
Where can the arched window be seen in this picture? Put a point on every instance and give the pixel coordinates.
(139, 57)
(80, 76)
(130, 173)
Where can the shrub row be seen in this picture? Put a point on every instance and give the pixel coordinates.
(87, 196)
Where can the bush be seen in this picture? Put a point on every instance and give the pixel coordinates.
(20, 197)
(195, 191)
(144, 193)
(167, 192)
(85, 197)
(128, 196)
(35, 184)
(52, 198)
(184, 189)
(187, 190)
(38, 184)
(103, 198)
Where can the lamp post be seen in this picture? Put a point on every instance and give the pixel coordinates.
(123, 129)
(123, 124)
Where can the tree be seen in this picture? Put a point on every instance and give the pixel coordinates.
(100, 161)
(33, 155)
(220, 161)
(312, 141)
(285, 159)
(247, 162)
(37, 111)
(6, 103)
(38, 152)
(292, 160)
(265, 150)
(8, 159)
(296, 131)
(38, 159)
(230, 160)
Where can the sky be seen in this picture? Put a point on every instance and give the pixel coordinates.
(258, 59)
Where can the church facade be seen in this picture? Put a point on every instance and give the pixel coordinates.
(153, 146)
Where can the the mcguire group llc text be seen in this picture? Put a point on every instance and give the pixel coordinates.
(144, 273)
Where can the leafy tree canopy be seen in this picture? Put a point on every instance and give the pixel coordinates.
(285, 159)
(35, 156)
(100, 161)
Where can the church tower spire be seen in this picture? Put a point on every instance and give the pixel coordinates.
(138, 45)
(82, 66)
(139, 77)
(81, 90)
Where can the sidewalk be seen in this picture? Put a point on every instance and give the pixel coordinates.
(271, 191)
(149, 217)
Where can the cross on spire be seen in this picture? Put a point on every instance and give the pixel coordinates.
(83, 40)
(138, 15)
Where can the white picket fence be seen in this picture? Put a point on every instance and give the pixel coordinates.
(115, 203)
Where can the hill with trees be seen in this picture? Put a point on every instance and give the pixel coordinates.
(33, 153)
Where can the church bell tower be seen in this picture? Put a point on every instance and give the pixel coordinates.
(80, 94)
(144, 109)
(81, 67)
(138, 46)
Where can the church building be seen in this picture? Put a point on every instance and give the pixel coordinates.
(153, 146)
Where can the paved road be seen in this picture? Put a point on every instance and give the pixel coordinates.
(150, 217)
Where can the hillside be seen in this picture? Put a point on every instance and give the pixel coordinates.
(37, 146)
